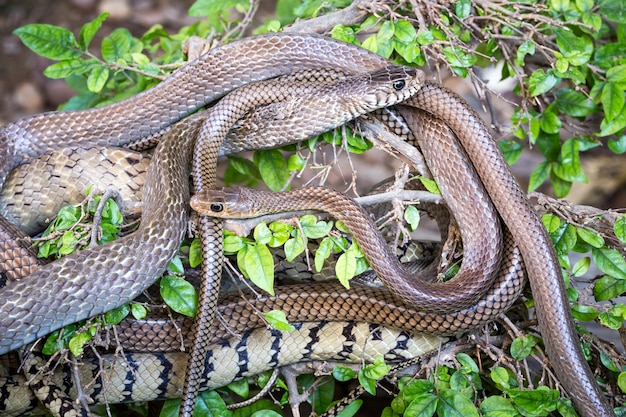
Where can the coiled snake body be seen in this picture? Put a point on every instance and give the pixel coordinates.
(285, 54)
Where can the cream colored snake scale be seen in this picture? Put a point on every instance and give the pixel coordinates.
(44, 304)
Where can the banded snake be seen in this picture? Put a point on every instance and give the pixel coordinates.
(528, 232)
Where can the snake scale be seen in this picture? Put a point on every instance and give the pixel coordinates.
(527, 230)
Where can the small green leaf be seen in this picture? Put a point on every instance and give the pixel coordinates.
(539, 82)
(67, 68)
(295, 246)
(262, 234)
(455, 403)
(574, 103)
(430, 185)
(117, 314)
(496, 406)
(619, 228)
(138, 311)
(342, 373)
(613, 10)
(539, 175)
(500, 376)
(581, 267)
(584, 313)
(404, 31)
(323, 252)
(179, 294)
(49, 41)
(611, 127)
(511, 149)
(345, 268)
(97, 78)
(526, 48)
(77, 343)
(535, 402)
(412, 217)
(88, 30)
(610, 262)
(576, 49)
(612, 98)
(260, 267)
(618, 146)
(463, 8)
(314, 229)
(522, 347)
(608, 287)
(273, 168)
(422, 405)
(116, 45)
(591, 237)
(621, 381)
(278, 320)
(195, 252)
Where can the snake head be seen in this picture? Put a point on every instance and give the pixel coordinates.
(391, 85)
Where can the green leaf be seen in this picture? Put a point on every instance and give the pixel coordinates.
(97, 78)
(568, 168)
(463, 8)
(404, 31)
(613, 10)
(539, 82)
(351, 409)
(576, 49)
(618, 146)
(612, 98)
(117, 314)
(295, 246)
(345, 268)
(535, 402)
(88, 30)
(501, 377)
(522, 346)
(260, 267)
(561, 187)
(430, 185)
(584, 313)
(422, 405)
(342, 373)
(617, 75)
(179, 294)
(591, 237)
(621, 381)
(511, 149)
(77, 343)
(278, 320)
(49, 41)
(412, 217)
(615, 125)
(232, 245)
(581, 267)
(425, 37)
(272, 168)
(262, 233)
(210, 403)
(67, 68)
(539, 175)
(323, 252)
(453, 403)
(610, 262)
(619, 228)
(314, 229)
(573, 103)
(138, 311)
(608, 287)
(496, 406)
(201, 8)
(116, 45)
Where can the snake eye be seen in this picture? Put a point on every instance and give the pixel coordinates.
(399, 85)
(216, 207)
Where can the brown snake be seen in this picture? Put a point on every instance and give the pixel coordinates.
(528, 231)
